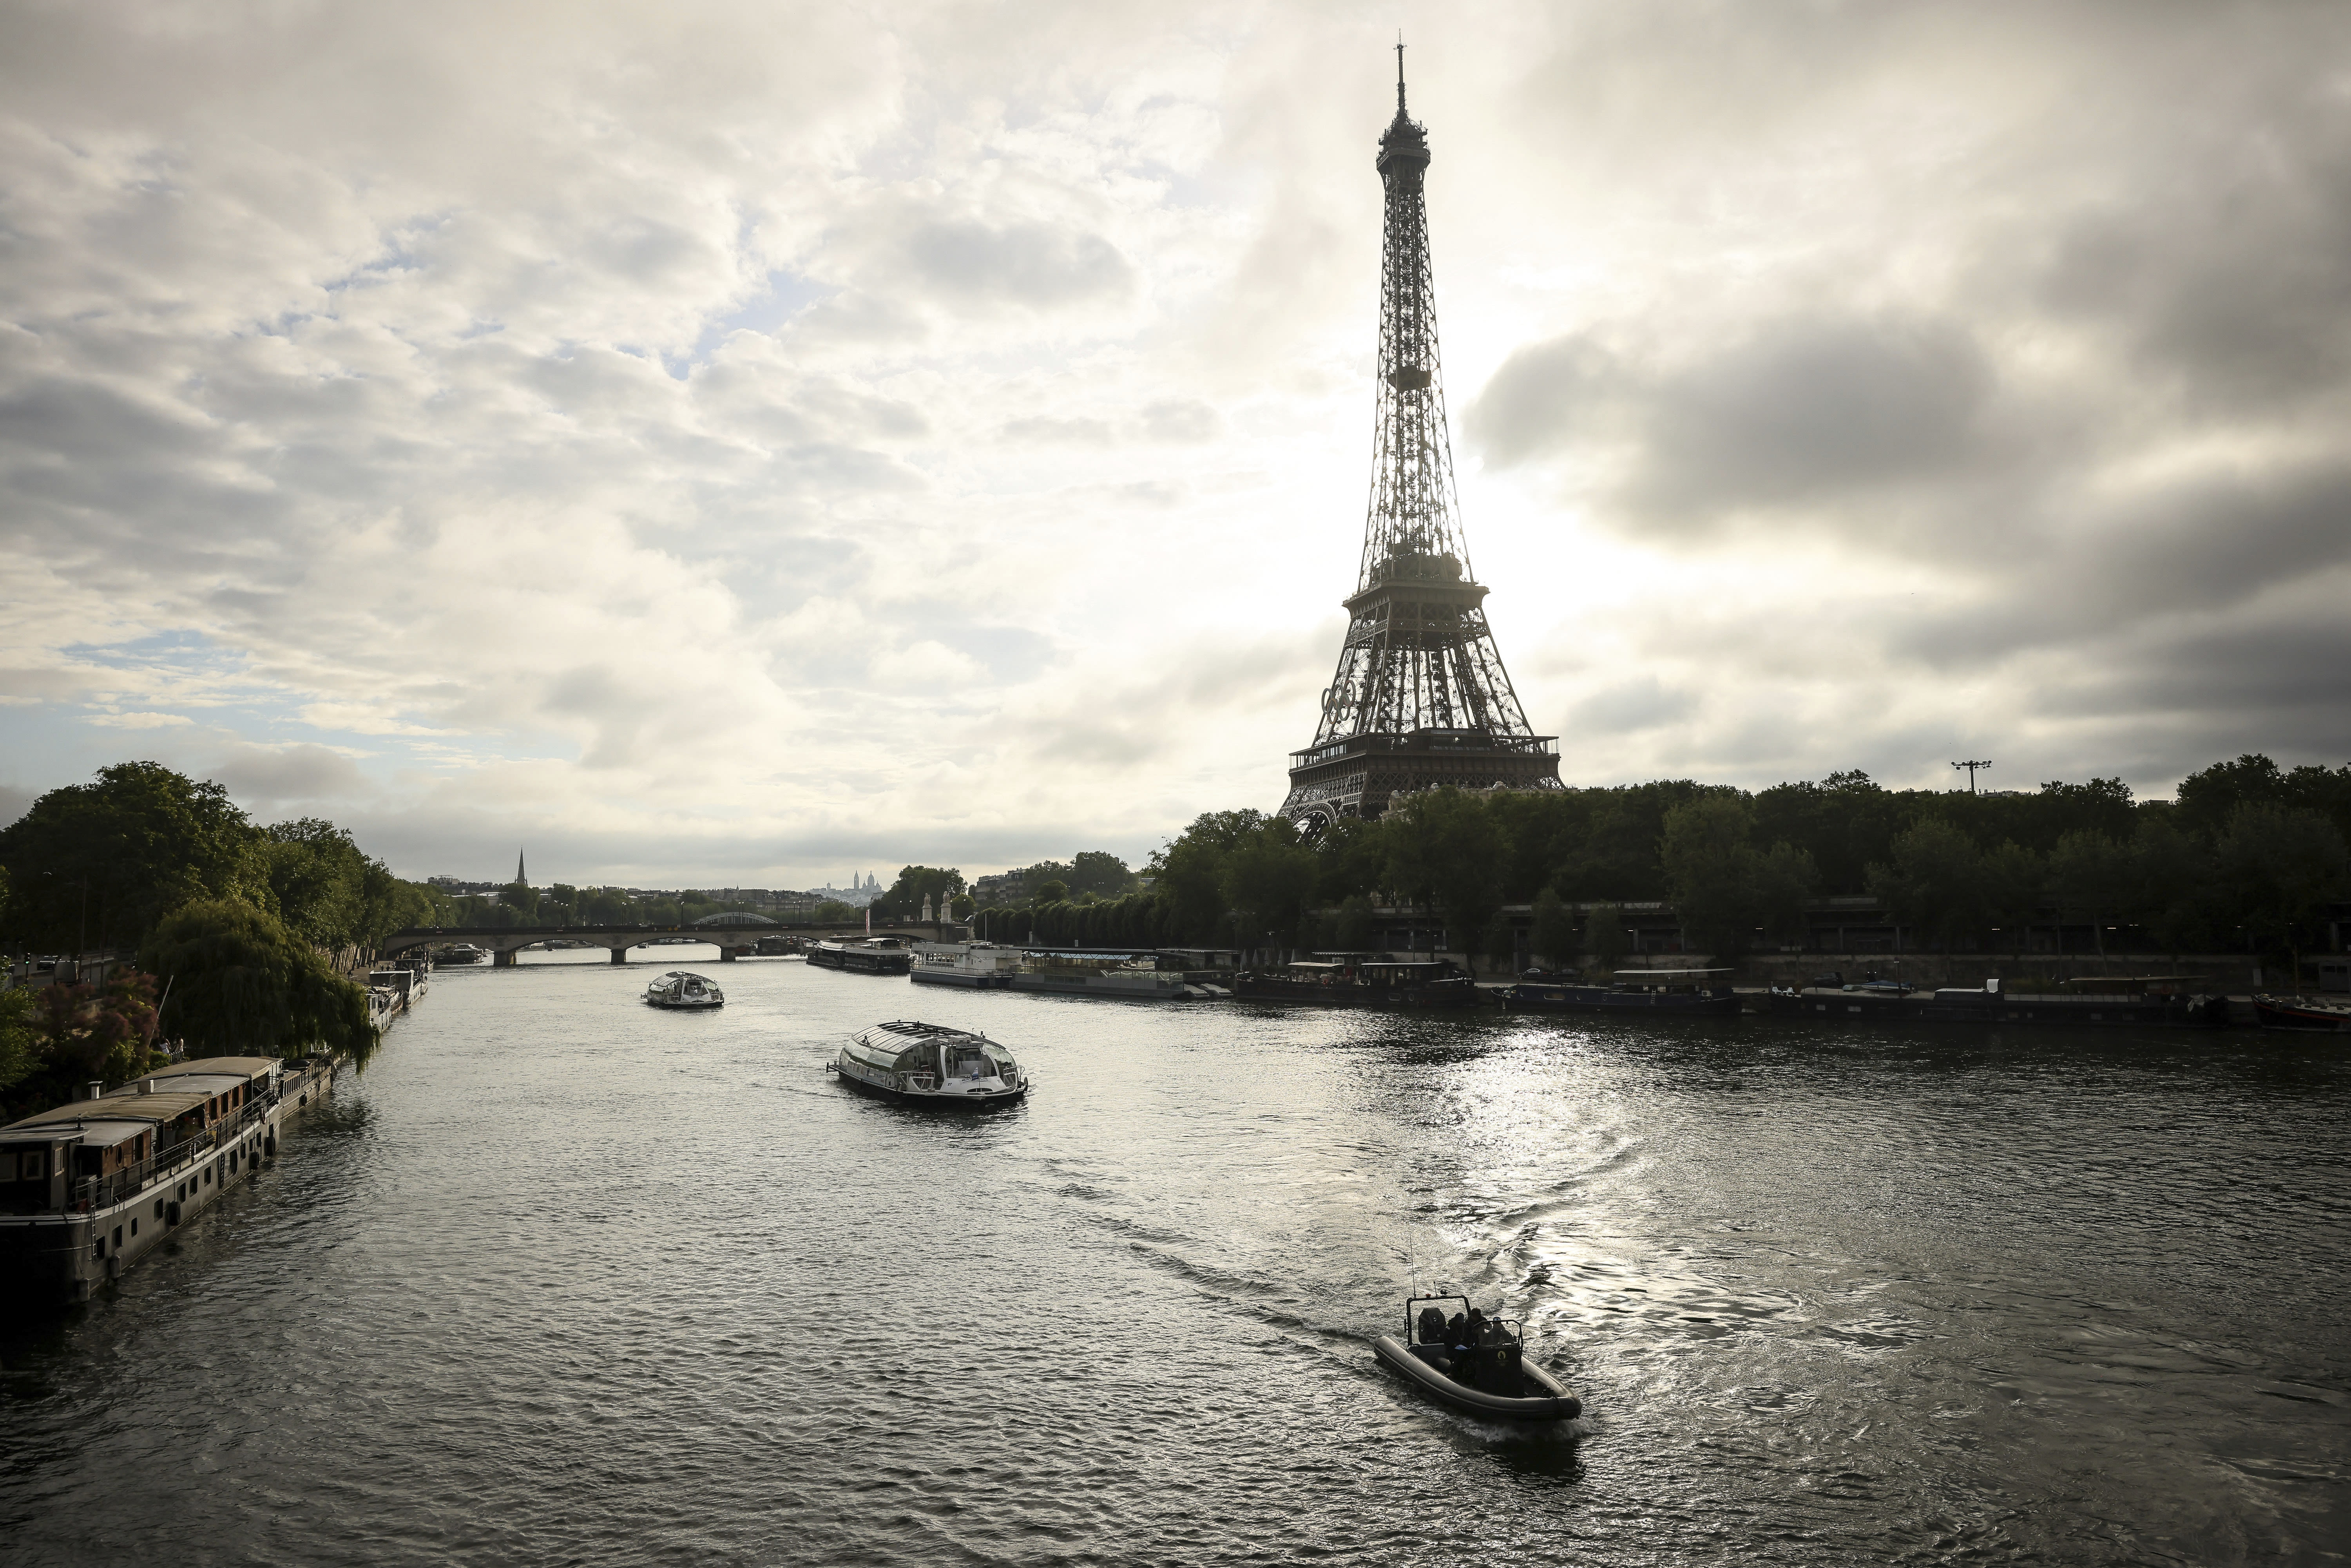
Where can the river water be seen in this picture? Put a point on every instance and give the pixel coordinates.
(562, 1278)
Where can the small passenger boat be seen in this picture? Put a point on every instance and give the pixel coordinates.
(918, 1063)
(2303, 1015)
(1633, 990)
(1475, 1363)
(686, 991)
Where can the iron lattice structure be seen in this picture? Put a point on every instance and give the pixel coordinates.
(1421, 698)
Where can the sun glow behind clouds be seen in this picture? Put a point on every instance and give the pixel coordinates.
(713, 441)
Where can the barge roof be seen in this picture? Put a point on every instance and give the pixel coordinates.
(134, 1107)
(243, 1066)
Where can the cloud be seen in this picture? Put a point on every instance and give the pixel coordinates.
(1037, 265)
(268, 778)
(137, 720)
(631, 431)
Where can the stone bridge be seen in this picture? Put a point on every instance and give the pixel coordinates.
(732, 941)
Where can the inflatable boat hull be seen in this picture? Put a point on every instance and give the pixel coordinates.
(1557, 1406)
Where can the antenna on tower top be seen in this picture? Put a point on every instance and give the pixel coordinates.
(1399, 73)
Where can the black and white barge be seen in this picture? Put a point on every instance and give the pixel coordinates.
(930, 1064)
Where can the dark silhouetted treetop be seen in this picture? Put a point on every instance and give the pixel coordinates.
(113, 856)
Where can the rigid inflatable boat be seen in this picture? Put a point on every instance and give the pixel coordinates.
(1489, 1377)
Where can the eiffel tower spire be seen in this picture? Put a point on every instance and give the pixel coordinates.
(1421, 698)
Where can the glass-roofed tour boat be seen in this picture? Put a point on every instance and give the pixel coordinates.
(930, 1064)
(680, 989)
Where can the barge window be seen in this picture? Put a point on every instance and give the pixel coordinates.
(134, 1224)
(98, 1248)
(118, 1238)
(158, 1209)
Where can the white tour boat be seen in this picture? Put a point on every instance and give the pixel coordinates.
(930, 1064)
(678, 988)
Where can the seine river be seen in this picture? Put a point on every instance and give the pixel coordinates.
(564, 1279)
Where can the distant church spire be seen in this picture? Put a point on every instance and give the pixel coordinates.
(519, 870)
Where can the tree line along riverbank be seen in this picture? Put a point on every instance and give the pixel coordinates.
(2246, 857)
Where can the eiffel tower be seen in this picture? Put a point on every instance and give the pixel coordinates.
(1421, 698)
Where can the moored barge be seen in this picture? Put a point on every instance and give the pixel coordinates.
(1362, 980)
(88, 1188)
(1701, 991)
(874, 955)
(2106, 1001)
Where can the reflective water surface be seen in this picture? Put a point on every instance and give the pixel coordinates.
(563, 1279)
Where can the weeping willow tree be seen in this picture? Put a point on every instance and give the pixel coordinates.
(241, 984)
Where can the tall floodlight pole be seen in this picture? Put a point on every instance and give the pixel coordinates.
(1420, 697)
(1972, 768)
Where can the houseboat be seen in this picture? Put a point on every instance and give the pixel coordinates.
(90, 1188)
(874, 955)
(930, 1066)
(1700, 992)
(460, 953)
(684, 992)
(1362, 980)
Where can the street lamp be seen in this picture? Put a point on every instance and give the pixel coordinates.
(1972, 768)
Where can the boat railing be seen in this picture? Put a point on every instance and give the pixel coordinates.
(91, 1193)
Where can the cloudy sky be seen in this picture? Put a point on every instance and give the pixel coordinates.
(755, 442)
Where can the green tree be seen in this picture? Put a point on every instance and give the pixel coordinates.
(1785, 879)
(81, 1032)
(2013, 878)
(1353, 855)
(19, 1036)
(2093, 879)
(1935, 882)
(1355, 926)
(1713, 874)
(1445, 850)
(1099, 872)
(915, 884)
(1052, 890)
(1554, 938)
(1605, 941)
(2277, 864)
(110, 857)
(330, 893)
(242, 984)
(1269, 875)
(1188, 873)
(1501, 942)
(2173, 873)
